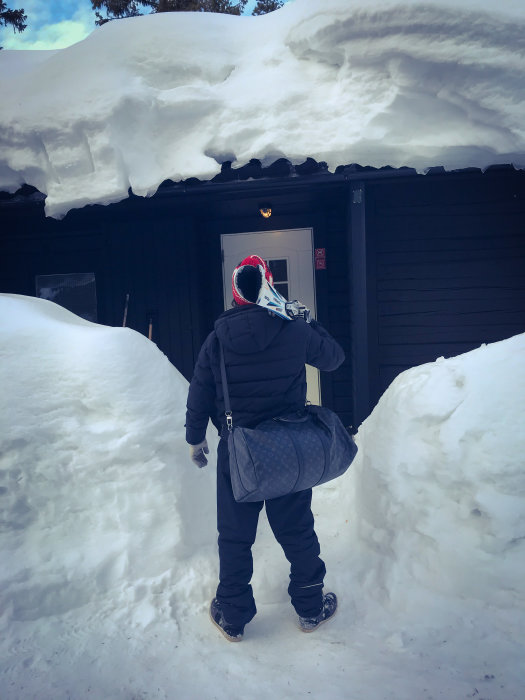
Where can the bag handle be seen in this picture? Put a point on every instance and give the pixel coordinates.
(227, 406)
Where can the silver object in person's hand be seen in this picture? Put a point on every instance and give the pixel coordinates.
(295, 310)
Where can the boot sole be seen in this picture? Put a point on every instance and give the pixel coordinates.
(321, 623)
(224, 634)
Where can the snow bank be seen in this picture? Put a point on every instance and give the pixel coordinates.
(93, 487)
(107, 536)
(440, 491)
(395, 82)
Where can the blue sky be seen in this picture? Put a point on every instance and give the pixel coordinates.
(55, 24)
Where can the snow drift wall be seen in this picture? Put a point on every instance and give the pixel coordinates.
(395, 82)
(94, 469)
(440, 487)
(101, 505)
(108, 538)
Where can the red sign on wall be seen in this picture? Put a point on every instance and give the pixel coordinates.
(320, 258)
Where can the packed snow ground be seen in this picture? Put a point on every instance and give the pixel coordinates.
(381, 82)
(108, 539)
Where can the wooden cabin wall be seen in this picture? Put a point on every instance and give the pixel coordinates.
(445, 263)
(165, 253)
(445, 268)
(132, 247)
(333, 285)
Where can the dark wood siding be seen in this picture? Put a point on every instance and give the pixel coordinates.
(130, 248)
(446, 268)
(333, 290)
(417, 266)
(165, 253)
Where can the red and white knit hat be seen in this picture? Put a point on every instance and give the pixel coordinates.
(247, 282)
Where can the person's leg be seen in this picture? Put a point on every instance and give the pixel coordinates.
(237, 527)
(292, 523)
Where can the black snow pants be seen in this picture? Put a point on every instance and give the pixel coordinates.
(292, 523)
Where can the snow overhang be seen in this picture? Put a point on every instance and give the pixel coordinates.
(176, 95)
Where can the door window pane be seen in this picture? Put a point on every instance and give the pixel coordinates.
(279, 270)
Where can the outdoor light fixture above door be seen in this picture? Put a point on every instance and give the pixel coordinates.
(265, 210)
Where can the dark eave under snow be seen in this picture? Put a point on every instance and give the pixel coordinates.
(281, 172)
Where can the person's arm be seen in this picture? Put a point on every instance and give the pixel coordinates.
(323, 351)
(201, 398)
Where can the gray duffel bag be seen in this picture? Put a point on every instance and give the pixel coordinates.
(287, 453)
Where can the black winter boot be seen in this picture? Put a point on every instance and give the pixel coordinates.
(309, 624)
(232, 634)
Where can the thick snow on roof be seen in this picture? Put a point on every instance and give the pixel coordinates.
(108, 533)
(379, 82)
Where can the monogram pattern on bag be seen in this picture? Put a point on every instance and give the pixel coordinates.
(279, 458)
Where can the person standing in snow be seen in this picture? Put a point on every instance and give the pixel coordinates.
(265, 356)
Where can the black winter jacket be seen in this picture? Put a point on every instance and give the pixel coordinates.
(265, 360)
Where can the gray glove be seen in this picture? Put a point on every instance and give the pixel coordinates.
(198, 453)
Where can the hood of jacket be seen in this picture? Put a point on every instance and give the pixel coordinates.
(247, 329)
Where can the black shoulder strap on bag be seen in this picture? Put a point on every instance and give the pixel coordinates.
(227, 406)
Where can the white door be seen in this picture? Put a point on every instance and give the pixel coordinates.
(290, 257)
